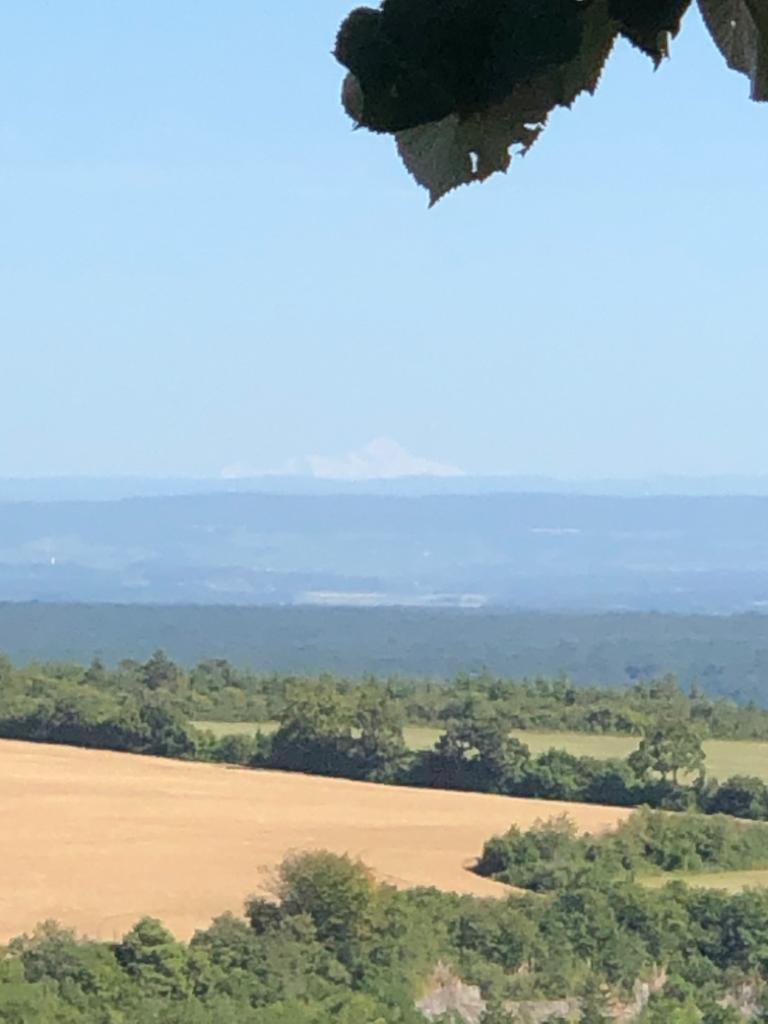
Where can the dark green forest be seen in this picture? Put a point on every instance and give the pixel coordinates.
(216, 689)
(724, 655)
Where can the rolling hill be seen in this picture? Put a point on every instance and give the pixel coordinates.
(99, 839)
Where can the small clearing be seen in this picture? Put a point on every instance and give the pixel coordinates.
(728, 881)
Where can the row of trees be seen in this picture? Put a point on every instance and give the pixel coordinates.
(83, 716)
(215, 689)
(322, 732)
(333, 947)
(359, 735)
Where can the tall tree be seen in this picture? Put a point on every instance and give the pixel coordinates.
(379, 748)
(315, 732)
(160, 673)
(668, 748)
(477, 744)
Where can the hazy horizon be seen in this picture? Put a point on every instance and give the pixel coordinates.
(206, 272)
(298, 473)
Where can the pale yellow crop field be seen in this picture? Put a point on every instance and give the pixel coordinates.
(96, 839)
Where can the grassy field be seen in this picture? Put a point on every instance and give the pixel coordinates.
(730, 881)
(97, 839)
(416, 736)
(724, 757)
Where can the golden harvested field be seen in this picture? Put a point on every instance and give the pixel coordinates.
(95, 839)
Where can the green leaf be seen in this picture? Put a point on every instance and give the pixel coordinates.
(458, 150)
(740, 30)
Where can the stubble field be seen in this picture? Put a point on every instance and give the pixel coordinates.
(97, 839)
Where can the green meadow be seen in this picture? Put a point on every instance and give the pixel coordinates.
(724, 757)
(728, 881)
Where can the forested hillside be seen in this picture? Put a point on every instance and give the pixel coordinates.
(723, 655)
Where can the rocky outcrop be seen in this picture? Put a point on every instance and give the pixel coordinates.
(626, 1012)
(449, 994)
(745, 999)
(541, 1011)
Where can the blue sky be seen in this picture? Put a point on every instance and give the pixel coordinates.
(202, 266)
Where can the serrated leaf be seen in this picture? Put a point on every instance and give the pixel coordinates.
(459, 150)
(649, 24)
(456, 151)
(584, 72)
(740, 30)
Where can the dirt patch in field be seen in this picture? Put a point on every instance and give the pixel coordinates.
(95, 839)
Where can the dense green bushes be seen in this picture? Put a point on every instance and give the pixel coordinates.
(335, 948)
(742, 796)
(553, 855)
(216, 690)
(83, 716)
(358, 734)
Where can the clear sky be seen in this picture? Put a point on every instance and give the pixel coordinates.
(202, 267)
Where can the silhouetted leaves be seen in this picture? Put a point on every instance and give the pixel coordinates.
(740, 29)
(461, 83)
(648, 24)
(461, 149)
(418, 61)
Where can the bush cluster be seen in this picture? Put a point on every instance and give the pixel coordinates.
(335, 948)
(552, 855)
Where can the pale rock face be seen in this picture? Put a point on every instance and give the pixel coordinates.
(545, 1010)
(449, 994)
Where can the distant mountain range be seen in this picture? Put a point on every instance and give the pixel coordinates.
(414, 542)
(73, 488)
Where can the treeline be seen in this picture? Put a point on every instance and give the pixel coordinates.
(333, 947)
(553, 855)
(356, 732)
(324, 732)
(215, 689)
(63, 706)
